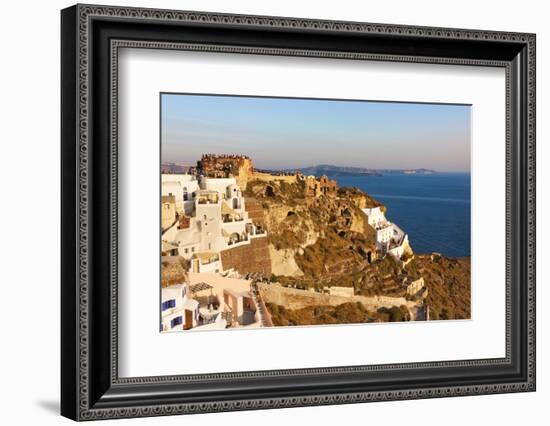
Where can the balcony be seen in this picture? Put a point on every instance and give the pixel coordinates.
(229, 219)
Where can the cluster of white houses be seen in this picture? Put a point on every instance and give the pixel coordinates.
(390, 238)
(200, 218)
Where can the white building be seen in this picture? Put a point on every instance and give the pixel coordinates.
(399, 243)
(384, 233)
(390, 238)
(184, 188)
(375, 216)
(178, 311)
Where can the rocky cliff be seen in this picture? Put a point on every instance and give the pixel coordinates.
(312, 237)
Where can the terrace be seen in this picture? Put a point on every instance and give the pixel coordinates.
(207, 257)
(208, 197)
(226, 218)
(202, 293)
(382, 225)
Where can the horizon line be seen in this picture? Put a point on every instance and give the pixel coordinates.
(175, 163)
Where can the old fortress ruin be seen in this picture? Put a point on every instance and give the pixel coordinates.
(316, 187)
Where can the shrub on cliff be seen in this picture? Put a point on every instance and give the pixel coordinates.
(394, 314)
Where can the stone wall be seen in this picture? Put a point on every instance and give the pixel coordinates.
(268, 177)
(292, 298)
(255, 211)
(253, 257)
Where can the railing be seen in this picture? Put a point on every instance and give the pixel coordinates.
(207, 201)
(235, 242)
(231, 220)
(399, 243)
(209, 260)
(382, 225)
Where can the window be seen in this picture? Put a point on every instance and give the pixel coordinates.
(168, 304)
(192, 249)
(176, 321)
(186, 251)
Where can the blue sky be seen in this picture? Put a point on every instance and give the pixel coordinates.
(285, 133)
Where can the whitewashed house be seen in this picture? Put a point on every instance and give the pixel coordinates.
(375, 216)
(390, 238)
(178, 311)
(184, 188)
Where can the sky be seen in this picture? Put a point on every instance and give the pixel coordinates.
(288, 133)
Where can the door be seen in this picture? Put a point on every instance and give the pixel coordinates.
(188, 320)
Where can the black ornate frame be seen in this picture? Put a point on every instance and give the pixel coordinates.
(91, 37)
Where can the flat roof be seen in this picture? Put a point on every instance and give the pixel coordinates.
(237, 293)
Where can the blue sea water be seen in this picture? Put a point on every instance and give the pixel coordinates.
(433, 209)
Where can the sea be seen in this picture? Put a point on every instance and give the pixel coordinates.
(433, 209)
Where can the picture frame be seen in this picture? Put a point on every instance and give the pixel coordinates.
(90, 384)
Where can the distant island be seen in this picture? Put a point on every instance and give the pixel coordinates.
(329, 169)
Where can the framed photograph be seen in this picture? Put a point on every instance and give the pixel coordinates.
(263, 212)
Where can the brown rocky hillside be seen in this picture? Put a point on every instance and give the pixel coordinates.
(449, 286)
(309, 237)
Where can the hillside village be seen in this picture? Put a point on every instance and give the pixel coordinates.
(248, 248)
